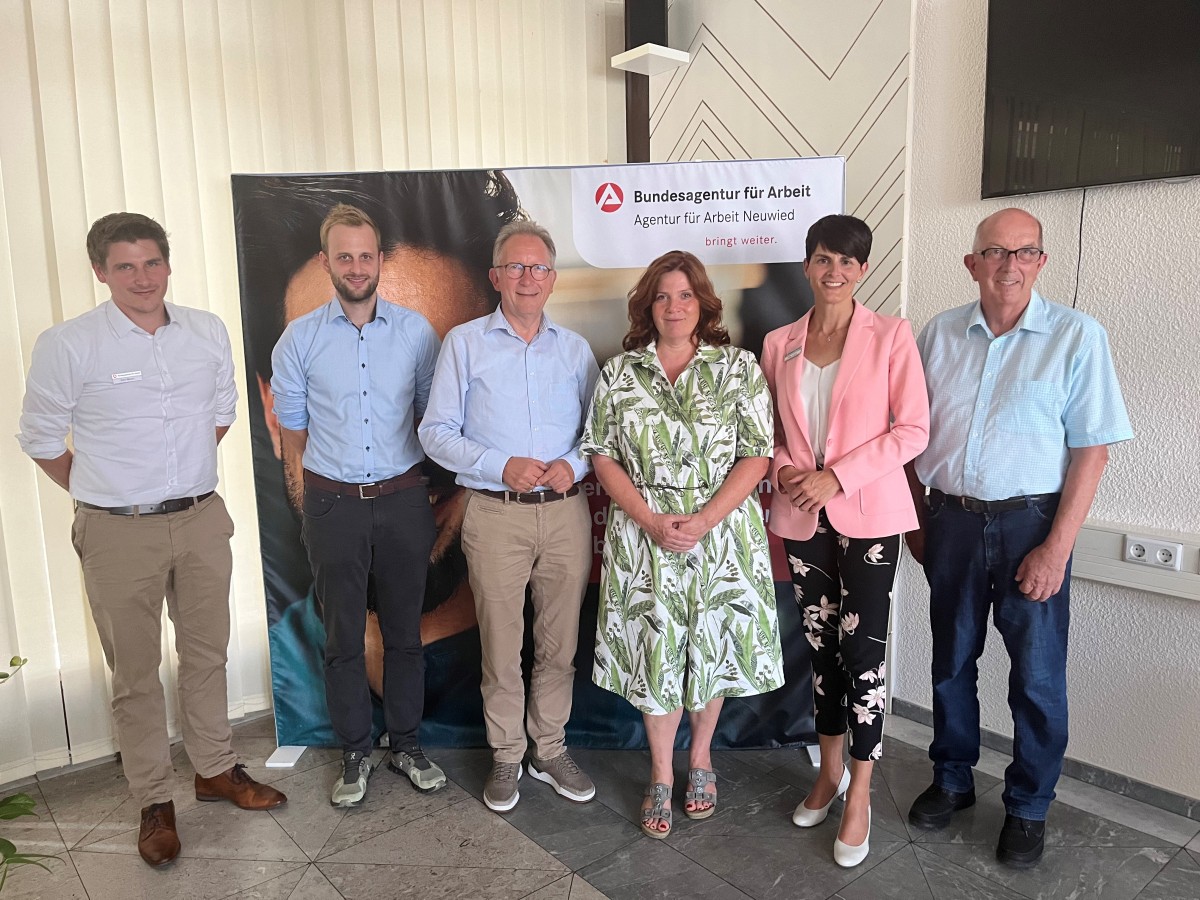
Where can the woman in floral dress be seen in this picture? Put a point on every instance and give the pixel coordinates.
(850, 410)
(680, 435)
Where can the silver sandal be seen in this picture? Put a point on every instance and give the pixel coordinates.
(699, 779)
(660, 795)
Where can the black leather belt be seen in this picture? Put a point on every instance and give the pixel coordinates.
(369, 491)
(150, 509)
(531, 497)
(989, 507)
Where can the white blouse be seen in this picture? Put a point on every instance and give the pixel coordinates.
(816, 390)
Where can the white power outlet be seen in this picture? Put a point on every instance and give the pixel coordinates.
(1152, 552)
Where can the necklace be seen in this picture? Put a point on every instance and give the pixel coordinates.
(829, 337)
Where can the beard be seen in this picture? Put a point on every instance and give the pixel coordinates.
(350, 294)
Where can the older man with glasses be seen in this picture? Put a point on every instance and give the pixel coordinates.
(506, 413)
(1023, 403)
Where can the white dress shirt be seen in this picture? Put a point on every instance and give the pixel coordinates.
(142, 408)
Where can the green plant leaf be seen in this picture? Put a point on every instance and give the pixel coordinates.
(17, 805)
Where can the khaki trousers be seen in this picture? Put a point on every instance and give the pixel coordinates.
(129, 564)
(548, 547)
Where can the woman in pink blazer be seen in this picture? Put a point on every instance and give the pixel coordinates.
(850, 411)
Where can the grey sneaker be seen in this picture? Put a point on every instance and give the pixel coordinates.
(351, 785)
(564, 776)
(500, 791)
(424, 773)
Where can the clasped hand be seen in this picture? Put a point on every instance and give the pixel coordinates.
(808, 491)
(523, 474)
(676, 533)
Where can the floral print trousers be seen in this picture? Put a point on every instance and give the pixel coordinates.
(844, 590)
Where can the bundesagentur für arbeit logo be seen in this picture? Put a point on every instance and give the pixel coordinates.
(609, 197)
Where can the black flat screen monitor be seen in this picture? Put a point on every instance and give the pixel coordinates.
(1087, 92)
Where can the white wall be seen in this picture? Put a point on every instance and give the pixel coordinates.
(816, 78)
(1134, 678)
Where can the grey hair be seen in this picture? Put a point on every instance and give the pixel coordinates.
(522, 226)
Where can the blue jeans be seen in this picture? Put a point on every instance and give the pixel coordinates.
(971, 560)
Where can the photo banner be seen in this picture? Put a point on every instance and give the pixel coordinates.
(437, 232)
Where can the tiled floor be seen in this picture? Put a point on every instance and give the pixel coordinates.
(447, 844)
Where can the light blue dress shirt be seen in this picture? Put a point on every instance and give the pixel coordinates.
(495, 397)
(358, 393)
(1005, 410)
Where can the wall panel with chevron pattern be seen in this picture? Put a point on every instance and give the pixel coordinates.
(779, 78)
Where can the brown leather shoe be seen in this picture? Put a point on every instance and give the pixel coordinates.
(158, 842)
(240, 789)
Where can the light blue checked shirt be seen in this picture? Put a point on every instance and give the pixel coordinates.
(357, 393)
(1003, 411)
(495, 396)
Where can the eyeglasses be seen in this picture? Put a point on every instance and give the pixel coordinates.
(1001, 255)
(537, 271)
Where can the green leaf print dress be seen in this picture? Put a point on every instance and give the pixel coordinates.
(679, 629)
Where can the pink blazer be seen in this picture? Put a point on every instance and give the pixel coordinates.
(878, 421)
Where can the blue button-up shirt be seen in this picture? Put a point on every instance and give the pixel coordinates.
(495, 396)
(1004, 411)
(358, 393)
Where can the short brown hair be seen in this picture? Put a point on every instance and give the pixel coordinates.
(345, 214)
(709, 329)
(124, 227)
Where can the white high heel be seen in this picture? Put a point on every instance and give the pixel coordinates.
(848, 857)
(807, 818)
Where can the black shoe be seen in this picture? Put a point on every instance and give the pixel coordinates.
(1021, 842)
(936, 805)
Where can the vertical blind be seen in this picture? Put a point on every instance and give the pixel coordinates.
(150, 105)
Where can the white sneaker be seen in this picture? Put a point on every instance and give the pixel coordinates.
(351, 785)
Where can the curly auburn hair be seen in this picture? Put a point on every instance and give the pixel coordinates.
(709, 329)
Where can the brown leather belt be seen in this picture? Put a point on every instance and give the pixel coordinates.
(533, 497)
(150, 509)
(990, 507)
(369, 491)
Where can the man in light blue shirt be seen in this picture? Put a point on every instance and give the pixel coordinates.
(506, 413)
(350, 381)
(1023, 403)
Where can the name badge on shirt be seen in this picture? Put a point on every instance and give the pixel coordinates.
(790, 356)
(122, 377)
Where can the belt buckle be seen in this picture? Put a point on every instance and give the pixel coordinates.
(362, 495)
(971, 505)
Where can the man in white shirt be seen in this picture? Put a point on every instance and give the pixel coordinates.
(146, 390)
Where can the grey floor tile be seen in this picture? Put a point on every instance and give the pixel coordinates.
(81, 800)
(799, 867)
(651, 869)
(280, 888)
(570, 888)
(899, 877)
(307, 817)
(1194, 844)
(768, 760)
(253, 752)
(581, 890)
(948, 881)
(1195, 854)
(465, 834)
(385, 882)
(115, 876)
(574, 833)
(1113, 873)
(1179, 880)
(217, 831)
(391, 802)
(58, 881)
(1065, 827)
(620, 777)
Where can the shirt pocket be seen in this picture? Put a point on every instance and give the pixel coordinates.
(1030, 407)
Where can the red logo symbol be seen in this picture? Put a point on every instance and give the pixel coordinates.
(609, 197)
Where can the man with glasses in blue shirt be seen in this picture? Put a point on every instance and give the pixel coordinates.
(1023, 403)
(350, 381)
(506, 413)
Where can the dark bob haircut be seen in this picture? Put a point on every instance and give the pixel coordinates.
(846, 235)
